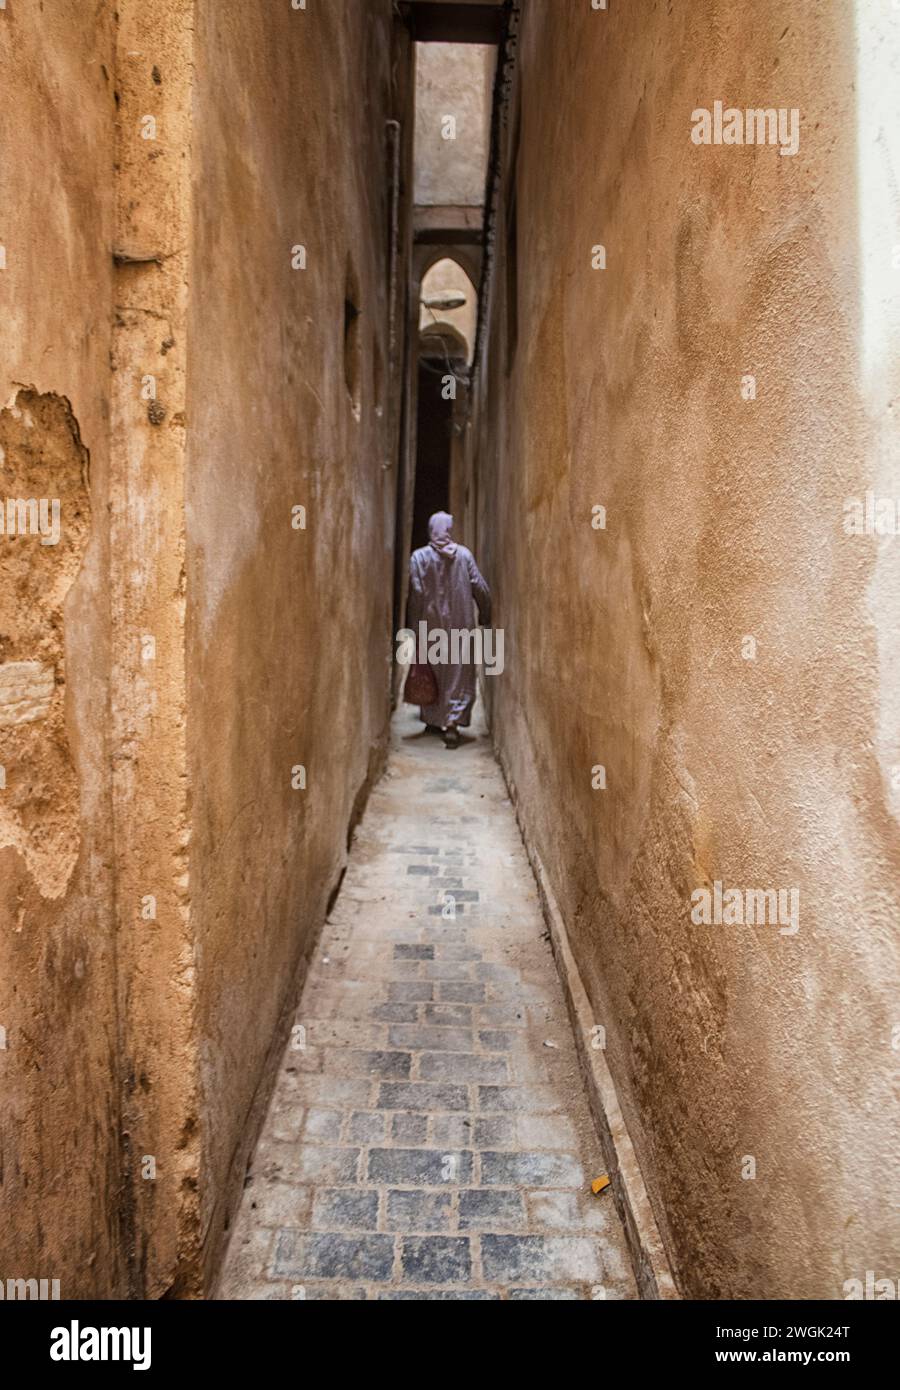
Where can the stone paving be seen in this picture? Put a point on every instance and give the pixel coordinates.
(429, 1136)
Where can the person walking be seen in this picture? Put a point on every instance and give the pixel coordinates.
(445, 588)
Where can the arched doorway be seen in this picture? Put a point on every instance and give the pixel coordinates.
(448, 318)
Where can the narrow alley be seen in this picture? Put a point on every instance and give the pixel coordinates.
(449, 663)
(429, 1134)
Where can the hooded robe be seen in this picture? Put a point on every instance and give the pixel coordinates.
(445, 589)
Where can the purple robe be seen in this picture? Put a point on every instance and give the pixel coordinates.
(445, 588)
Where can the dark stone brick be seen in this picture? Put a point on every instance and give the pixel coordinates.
(495, 1132)
(417, 1039)
(423, 870)
(540, 1260)
(332, 1293)
(414, 1095)
(460, 992)
(413, 952)
(531, 1170)
(466, 895)
(438, 1296)
(449, 1132)
(436, 1259)
(481, 1209)
(366, 1127)
(448, 1015)
(462, 1067)
(409, 1129)
(300, 1256)
(410, 992)
(495, 1040)
(407, 969)
(392, 1066)
(419, 1211)
(546, 1296)
(439, 911)
(448, 971)
(419, 1167)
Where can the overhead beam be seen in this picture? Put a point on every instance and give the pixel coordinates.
(455, 21)
(458, 225)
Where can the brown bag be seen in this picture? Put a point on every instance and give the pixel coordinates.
(421, 686)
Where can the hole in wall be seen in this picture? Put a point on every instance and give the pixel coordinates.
(352, 339)
(378, 382)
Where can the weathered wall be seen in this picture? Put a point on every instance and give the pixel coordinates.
(288, 634)
(59, 1093)
(156, 955)
(165, 669)
(625, 647)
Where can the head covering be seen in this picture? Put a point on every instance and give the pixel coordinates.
(439, 528)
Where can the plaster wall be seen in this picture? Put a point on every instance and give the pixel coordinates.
(59, 1082)
(764, 763)
(186, 648)
(288, 636)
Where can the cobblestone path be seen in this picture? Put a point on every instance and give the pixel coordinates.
(429, 1137)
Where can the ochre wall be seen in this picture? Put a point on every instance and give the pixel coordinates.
(288, 631)
(183, 648)
(624, 645)
(156, 962)
(59, 1092)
